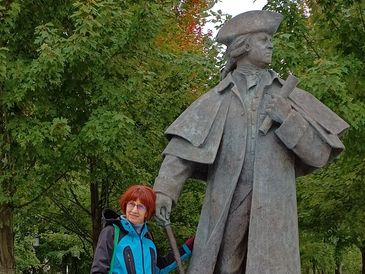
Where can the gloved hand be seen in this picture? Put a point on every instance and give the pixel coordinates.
(163, 209)
(190, 242)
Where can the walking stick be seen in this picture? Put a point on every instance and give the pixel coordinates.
(175, 250)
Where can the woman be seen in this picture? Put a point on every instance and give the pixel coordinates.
(135, 251)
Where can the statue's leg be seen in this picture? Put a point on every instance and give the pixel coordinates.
(232, 254)
(233, 250)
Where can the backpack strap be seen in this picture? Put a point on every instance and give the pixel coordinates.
(116, 240)
(150, 236)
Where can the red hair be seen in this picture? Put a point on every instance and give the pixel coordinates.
(139, 192)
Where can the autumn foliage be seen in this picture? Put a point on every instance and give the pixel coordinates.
(187, 32)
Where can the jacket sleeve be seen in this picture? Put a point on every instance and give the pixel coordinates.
(173, 173)
(298, 135)
(103, 252)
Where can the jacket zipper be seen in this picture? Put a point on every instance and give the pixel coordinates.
(140, 240)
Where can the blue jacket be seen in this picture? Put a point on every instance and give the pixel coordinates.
(135, 253)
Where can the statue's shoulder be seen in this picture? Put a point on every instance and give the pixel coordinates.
(195, 122)
(315, 110)
(224, 85)
(318, 111)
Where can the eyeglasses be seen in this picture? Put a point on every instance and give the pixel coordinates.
(140, 207)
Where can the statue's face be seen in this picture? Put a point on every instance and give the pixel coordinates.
(260, 52)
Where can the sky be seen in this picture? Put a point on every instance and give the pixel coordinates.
(234, 7)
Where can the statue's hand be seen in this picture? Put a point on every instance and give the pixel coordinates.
(278, 109)
(163, 208)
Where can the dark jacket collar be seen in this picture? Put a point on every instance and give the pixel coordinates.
(110, 217)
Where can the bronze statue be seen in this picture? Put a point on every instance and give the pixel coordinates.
(248, 222)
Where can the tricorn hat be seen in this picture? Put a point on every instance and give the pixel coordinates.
(249, 22)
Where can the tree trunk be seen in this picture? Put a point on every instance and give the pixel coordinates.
(363, 259)
(95, 206)
(95, 213)
(338, 269)
(7, 261)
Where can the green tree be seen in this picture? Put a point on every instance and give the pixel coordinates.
(322, 42)
(87, 89)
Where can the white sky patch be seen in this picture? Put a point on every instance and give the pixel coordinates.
(234, 7)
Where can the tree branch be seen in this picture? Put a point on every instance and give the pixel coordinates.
(83, 235)
(310, 45)
(66, 211)
(77, 202)
(44, 190)
(361, 16)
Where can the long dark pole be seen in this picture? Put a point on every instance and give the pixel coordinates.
(175, 250)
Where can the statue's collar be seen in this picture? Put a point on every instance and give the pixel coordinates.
(250, 70)
(224, 83)
(228, 81)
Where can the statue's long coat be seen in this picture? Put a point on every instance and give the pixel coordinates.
(212, 134)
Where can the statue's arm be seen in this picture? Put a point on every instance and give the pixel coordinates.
(299, 136)
(173, 173)
(307, 140)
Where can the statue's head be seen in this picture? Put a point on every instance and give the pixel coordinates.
(248, 37)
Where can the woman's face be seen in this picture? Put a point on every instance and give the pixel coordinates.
(136, 212)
